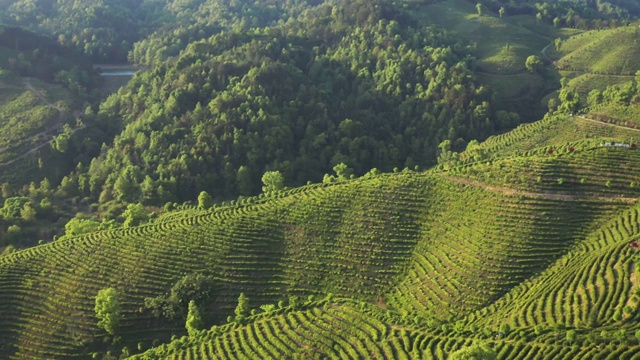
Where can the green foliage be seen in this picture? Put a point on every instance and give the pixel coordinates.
(474, 352)
(108, 310)
(576, 14)
(174, 305)
(78, 226)
(244, 103)
(194, 321)
(204, 200)
(273, 181)
(13, 207)
(135, 215)
(533, 63)
(242, 309)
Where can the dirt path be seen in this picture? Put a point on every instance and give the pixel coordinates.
(541, 195)
(607, 124)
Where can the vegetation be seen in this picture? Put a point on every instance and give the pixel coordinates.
(256, 190)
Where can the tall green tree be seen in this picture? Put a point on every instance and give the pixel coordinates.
(135, 215)
(204, 200)
(273, 181)
(108, 310)
(194, 321)
(242, 310)
(533, 63)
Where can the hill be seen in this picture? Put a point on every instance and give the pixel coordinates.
(42, 85)
(596, 59)
(607, 52)
(415, 251)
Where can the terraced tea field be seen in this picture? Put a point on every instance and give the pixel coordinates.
(611, 52)
(406, 265)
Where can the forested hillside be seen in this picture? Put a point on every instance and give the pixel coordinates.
(299, 99)
(313, 179)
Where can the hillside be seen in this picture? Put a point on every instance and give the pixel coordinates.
(607, 52)
(42, 86)
(192, 214)
(596, 59)
(415, 251)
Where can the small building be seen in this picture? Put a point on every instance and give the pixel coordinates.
(616, 144)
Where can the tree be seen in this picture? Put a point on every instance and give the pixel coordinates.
(557, 43)
(242, 310)
(174, 305)
(245, 184)
(343, 172)
(533, 63)
(479, 9)
(571, 336)
(108, 310)
(505, 329)
(204, 200)
(621, 335)
(594, 97)
(273, 181)
(474, 352)
(28, 213)
(134, 215)
(569, 100)
(13, 207)
(78, 226)
(194, 320)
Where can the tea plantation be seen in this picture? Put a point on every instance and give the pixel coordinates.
(402, 265)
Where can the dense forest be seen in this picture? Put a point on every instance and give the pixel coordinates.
(334, 87)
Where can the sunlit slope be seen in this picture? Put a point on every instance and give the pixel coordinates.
(419, 243)
(349, 239)
(346, 330)
(31, 112)
(594, 287)
(483, 242)
(610, 51)
(557, 132)
(581, 169)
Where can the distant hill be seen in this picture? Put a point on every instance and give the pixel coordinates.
(605, 52)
